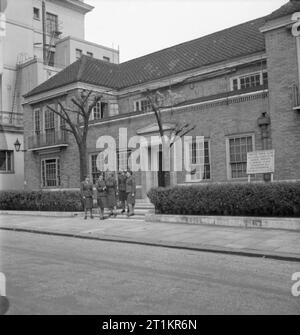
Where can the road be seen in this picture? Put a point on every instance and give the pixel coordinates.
(57, 275)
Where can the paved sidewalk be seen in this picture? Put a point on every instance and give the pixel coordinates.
(249, 242)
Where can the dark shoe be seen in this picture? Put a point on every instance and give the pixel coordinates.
(85, 218)
(92, 217)
(123, 211)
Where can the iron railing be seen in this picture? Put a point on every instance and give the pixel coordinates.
(48, 138)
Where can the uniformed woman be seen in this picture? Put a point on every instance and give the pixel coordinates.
(111, 188)
(86, 189)
(131, 191)
(101, 195)
(122, 189)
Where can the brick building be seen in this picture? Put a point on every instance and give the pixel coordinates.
(238, 86)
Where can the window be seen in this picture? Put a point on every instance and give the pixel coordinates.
(94, 170)
(37, 121)
(90, 54)
(107, 59)
(50, 58)
(78, 53)
(36, 13)
(249, 80)
(97, 113)
(100, 111)
(199, 159)
(113, 109)
(238, 148)
(50, 172)
(49, 127)
(143, 105)
(6, 161)
(52, 23)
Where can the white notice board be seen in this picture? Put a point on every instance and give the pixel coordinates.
(260, 161)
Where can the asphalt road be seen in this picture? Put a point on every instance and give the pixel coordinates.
(56, 275)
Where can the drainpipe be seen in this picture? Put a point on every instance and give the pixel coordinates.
(264, 122)
(296, 34)
(44, 31)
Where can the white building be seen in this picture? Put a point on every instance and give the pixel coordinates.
(38, 38)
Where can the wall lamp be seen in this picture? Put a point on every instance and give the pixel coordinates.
(17, 145)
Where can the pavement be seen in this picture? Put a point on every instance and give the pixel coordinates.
(252, 242)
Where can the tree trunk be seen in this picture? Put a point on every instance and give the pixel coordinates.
(83, 162)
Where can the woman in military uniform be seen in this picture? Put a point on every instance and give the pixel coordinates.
(122, 189)
(130, 191)
(101, 195)
(111, 187)
(86, 189)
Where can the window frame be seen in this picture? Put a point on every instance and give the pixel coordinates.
(228, 162)
(76, 55)
(51, 22)
(12, 162)
(37, 112)
(249, 74)
(188, 176)
(57, 172)
(36, 17)
(113, 106)
(137, 106)
(90, 54)
(106, 59)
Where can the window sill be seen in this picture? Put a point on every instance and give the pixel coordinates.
(7, 172)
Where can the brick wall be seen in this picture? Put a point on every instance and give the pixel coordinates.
(283, 72)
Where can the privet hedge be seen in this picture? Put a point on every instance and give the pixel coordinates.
(273, 199)
(67, 201)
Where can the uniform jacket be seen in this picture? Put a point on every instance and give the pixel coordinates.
(111, 184)
(122, 183)
(86, 189)
(101, 188)
(130, 185)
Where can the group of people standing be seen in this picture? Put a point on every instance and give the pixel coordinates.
(109, 191)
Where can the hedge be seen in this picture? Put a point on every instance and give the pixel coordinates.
(67, 201)
(272, 199)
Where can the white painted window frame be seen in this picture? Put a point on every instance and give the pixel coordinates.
(41, 172)
(246, 75)
(188, 176)
(228, 165)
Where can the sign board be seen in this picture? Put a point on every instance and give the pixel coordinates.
(261, 161)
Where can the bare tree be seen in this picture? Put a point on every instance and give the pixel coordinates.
(158, 101)
(75, 120)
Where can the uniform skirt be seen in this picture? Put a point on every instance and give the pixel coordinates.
(101, 201)
(122, 195)
(88, 202)
(130, 199)
(111, 198)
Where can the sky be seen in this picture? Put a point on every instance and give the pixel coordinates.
(139, 27)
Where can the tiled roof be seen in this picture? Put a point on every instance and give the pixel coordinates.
(287, 9)
(238, 41)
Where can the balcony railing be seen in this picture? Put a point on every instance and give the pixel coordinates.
(296, 98)
(48, 139)
(11, 119)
